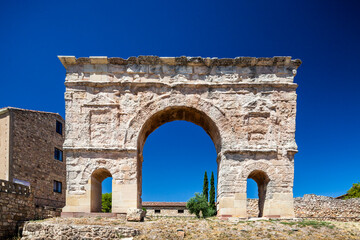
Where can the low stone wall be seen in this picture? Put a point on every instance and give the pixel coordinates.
(313, 206)
(43, 212)
(38, 230)
(17, 206)
(318, 207)
(252, 207)
(169, 213)
(169, 209)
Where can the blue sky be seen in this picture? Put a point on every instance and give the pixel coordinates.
(325, 35)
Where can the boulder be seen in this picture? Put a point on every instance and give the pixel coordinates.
(135, 215)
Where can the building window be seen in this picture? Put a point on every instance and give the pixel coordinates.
(157, 210)
(58, 127)
(58, 154)
(181, 211)
(57, 186)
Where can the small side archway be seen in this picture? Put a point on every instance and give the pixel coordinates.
(262, 180)
(97, 177)
(265, 178)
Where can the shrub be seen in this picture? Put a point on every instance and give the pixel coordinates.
(354, 191)
(199, 204)
(106, 202)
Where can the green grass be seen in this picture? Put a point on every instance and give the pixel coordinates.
(289, 223)
(311, 223)
(241, 222)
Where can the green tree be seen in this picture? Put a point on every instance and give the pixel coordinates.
(106, 202)
(212, 192)
(205, 192)
(354, 191)
(199, 204)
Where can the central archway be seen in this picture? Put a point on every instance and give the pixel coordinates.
(170, 114)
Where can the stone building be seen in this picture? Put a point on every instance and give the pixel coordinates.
(166, 209)
(246, 105)
(31, 153)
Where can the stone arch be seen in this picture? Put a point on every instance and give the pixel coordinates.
(262, 180)
(97, 176)
(177, 104)
(102, 160)
(161, 115)
(174, 113)
(253, 165)
(266, 177)
(247, 106)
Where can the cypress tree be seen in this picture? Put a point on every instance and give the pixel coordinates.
(212, 191)
(206, 187)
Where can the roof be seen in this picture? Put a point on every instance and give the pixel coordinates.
(164, 204)
(5, 109)
(342, 196)
(189, 61)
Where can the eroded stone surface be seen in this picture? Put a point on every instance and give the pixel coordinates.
(246, 105)
(44, 230)
(135, 215)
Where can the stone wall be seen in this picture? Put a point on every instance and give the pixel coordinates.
(17, 206)
(318, 207)
(166, 209)
(51, 231)
(313, 206)
(252, 207)
(4, 145)
(34, 139)
(169, 212)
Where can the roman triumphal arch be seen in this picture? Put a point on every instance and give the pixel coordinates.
(246, 105)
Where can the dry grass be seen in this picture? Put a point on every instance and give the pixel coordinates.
(213, 228)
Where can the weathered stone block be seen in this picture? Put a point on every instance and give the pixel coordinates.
(135, 215)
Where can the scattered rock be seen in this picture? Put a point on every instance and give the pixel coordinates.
(48, 230)
(233, 219)
(258, 219)
(135, 215)
(177, 228)
(180, 233)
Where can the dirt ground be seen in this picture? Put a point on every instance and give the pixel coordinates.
(214, 228)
